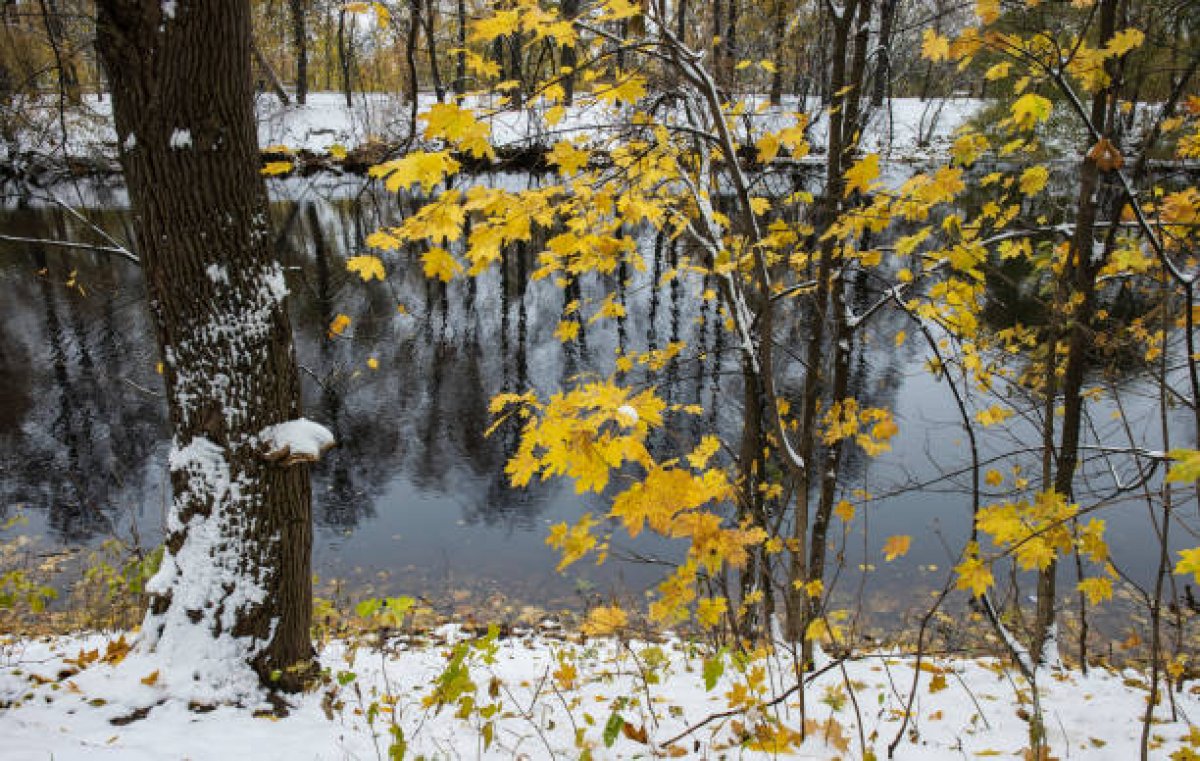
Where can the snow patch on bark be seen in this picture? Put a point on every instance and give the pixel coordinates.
(274, 285)
(180, 139)
(217, 273)
(211, 582)
(238, 338)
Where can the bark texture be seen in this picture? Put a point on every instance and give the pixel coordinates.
(235, 580)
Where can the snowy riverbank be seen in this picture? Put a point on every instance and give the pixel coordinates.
(541, 696)
(906, 126)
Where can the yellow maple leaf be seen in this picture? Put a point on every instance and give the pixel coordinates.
(616, 10)
(1124, 41)
(1185, 466)
(969, 147)
(572, 541)
(1033, 180)
(908, 244)
(1030, 109)
(999, 71)
(339, 325)
(896, 546)
(604, 620)
(973, 574)
(1096, 589)
(366, 266)
(567, 330)
(703, 452)
(439, 221)
(993, 415)
(383, 240)
(568, 158)
(1189, 562)
(859, 176)
(458, 126)
(630, 90)
(710, 609)
(1182, 207)
(844, 510)
(884, 429)
(768, 148)
(566, 675)
(439, 263)
(934, 47)
(994, 478)
(987, 10)
(373, 363)
(274, 168)
(426, 168)
(499, 24)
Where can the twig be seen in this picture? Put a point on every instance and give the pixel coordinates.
(770, 703)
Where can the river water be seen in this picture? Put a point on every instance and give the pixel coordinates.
(414, 499)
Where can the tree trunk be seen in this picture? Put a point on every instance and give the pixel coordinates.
(778, 33)
(460, 57)
(423, 14)
(718, 49)
(883, 69)
(1080, 280)
(729, 42)
(345, 42)
(800, 608)
(265, 67)
(63, 57)
(570, 56)
(235, 581)
(300, 42)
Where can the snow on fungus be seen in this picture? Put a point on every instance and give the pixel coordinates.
(295, 441)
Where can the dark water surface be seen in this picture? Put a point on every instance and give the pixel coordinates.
(415, 499)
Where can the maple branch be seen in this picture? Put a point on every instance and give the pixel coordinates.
(688, 62)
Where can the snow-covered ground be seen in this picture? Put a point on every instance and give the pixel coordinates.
(555, 697)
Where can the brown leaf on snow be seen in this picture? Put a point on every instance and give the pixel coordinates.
(116, 651)
(637, 734)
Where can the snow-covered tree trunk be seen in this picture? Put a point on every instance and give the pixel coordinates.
(235, 586)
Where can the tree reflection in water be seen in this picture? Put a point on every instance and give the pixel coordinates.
(413, 483)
